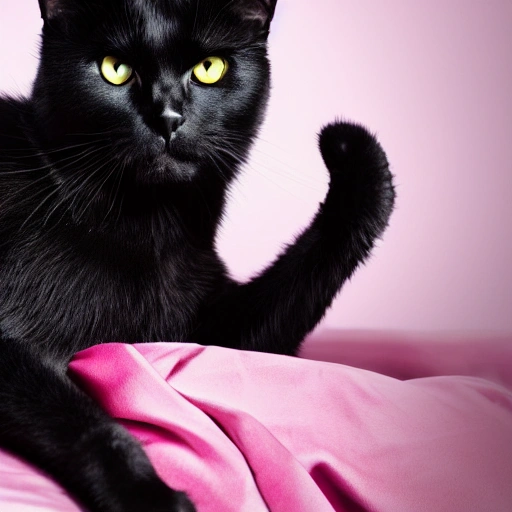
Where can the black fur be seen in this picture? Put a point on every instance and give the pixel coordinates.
(108, 217)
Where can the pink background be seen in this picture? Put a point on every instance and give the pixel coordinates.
(434, 81)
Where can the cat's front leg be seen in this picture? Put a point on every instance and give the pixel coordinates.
(277, 309)
(45, 419)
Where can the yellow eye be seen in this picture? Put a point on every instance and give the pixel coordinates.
(116, 71)
(211, 70)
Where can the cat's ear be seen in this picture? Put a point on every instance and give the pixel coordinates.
(50, 8)
(259, 12)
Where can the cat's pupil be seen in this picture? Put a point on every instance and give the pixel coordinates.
(207, 64)
(117, 65)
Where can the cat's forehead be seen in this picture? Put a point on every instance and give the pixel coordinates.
(160, 10)
(161, 22)
(176, 13)
(229, 23)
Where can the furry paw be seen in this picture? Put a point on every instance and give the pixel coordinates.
(183, 504)
(361, 187)
(163, 500)
(158, 498)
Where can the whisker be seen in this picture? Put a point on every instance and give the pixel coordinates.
(76, 185)
(221, 171)
(72, 158)
(37, 152)
(112, 201)
(258, 171)
(38, 207)
(46, 176)
(57, 188)
(79, 183)
(99, 187)
(293, 176)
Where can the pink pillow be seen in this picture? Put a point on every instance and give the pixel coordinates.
(243, 431)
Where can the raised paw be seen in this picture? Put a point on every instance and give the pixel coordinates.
(361, 188)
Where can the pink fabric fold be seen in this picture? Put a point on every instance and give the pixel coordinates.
(243, 431)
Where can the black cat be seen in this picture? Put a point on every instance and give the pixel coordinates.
(113, 177)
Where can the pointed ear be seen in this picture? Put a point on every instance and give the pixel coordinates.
(259, 12)
(50, 8)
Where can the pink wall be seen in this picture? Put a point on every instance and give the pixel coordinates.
(434, 80)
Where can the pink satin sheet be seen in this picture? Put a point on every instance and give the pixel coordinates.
(250, 432)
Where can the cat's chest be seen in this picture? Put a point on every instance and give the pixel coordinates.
(61, 296)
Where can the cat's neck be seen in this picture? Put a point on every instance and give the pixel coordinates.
(150, 223)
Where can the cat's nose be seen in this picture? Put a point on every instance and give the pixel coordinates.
(170, 121)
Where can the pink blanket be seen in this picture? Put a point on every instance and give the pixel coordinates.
(252, 432)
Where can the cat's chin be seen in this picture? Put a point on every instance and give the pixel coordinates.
(167, 170)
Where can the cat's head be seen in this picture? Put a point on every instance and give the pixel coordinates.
(162, 89)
